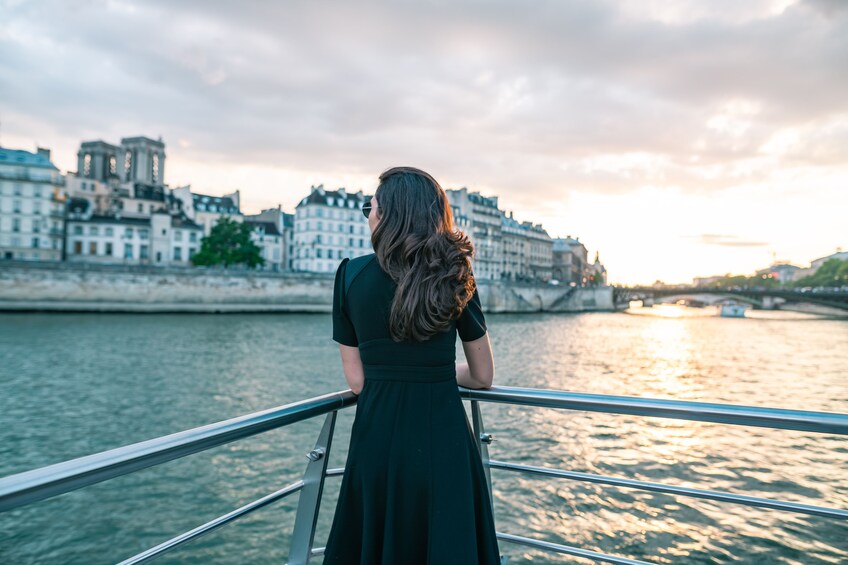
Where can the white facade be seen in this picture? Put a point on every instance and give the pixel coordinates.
(479, 217)
(32, 204)
(161, 239)
(206, 210)
(570, 261)
(328, 226)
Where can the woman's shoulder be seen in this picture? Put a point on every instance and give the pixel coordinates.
(355, 266)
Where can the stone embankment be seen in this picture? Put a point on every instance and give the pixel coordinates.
(116, 288)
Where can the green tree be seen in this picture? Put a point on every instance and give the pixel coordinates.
(228, 243)
(833, 272)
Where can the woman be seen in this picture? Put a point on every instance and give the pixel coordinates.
(414, 489)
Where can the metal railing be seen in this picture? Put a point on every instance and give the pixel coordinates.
(31, 486)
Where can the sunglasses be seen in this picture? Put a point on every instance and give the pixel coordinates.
(366, 209)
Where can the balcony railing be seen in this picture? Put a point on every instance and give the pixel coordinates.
(31, 486)
(26, 176)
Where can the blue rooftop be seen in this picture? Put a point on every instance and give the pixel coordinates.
(21, 157)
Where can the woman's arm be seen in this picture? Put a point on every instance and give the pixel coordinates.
(354, 372)
(479, 371)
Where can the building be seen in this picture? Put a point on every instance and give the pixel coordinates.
(32, 204)
(782, 272)
(597, 273)
(570, 261)
(526, 250)
(513, 250)
(481, 220)
(163, 238)
(206, 210)
(539, 252)
(328, 226)
(269, 234)
(840, 255)
(288, 239)
(136, 159)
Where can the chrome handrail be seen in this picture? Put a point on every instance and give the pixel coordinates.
(38, 484)
(45, 482)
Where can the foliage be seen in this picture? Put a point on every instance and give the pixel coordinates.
(228, 243)
(833, 272)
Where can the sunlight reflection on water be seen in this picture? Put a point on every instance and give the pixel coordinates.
(105, 381)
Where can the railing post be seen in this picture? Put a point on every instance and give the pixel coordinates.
(310, 495)
(483, 440)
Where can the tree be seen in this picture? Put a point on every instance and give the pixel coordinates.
(834, 272)
(228, 243)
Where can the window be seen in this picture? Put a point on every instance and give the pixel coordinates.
(318, 253)
(35, 242)
(178, 253)
(164, 231)
(128, 163)
(77, 248)
(128, 233)
(16, 206)
(320, 226)
(142, 252)
(178, 235)
(350, 228)
(113, 165)
(18, 190)
(16, 224)
(341, 226)
(36, 192)
(36, 227)
(108, 248)
(191, 252)
(36, 208)
(192, 237)
(128, 251)
(318, 238)
(110, 232)
(140, 207)
(92, 248)
(350, 241)
(86, 165)
(156, 167)
(92, 230)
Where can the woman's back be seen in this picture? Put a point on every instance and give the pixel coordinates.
(414, 490)
(362, 319)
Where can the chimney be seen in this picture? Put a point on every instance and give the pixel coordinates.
(43, 152)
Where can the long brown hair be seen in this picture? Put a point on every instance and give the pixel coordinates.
(417, 245)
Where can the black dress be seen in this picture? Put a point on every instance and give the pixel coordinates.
(414, 490)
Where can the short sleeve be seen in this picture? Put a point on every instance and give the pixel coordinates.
(343, 331)
(471, 324)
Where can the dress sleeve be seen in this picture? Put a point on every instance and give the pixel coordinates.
(471, 324)
(343, 331)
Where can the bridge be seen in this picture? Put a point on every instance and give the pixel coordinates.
(758, 296)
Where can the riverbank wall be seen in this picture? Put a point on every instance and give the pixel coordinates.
(62, 287)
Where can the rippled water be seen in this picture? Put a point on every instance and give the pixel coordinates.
(71, 385)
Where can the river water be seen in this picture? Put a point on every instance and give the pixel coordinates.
(71, 385)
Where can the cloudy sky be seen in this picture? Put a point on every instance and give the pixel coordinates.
(680, 138)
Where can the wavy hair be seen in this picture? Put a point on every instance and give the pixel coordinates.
(415, 242)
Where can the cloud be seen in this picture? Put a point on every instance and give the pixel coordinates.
(535, 103)
(725, 240)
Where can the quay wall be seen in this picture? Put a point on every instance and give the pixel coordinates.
(116, 288)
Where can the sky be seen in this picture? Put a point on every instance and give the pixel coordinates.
(677, 139)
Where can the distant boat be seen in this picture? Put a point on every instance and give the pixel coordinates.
(731, 310)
